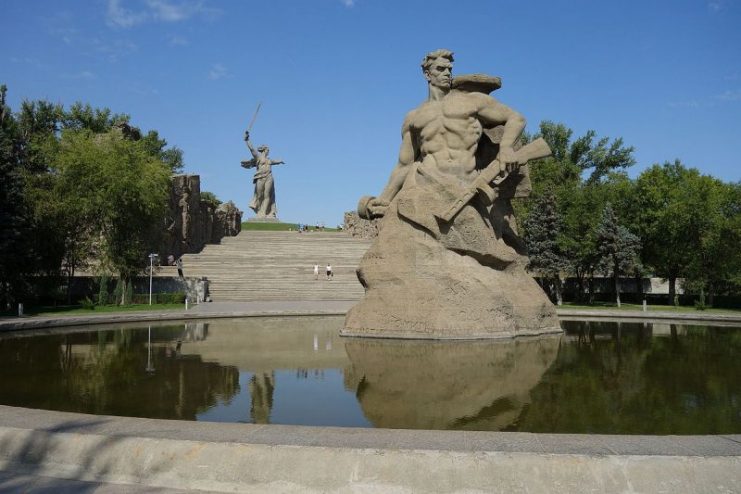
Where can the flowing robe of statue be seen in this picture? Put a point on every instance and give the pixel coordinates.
(433, 274)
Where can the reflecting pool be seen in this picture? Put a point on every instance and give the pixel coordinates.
(598, 377)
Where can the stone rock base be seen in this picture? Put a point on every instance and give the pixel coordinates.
(418, 288)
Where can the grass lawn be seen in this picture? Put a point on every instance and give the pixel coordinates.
(278, 227)
(650, 308)
(77, 310)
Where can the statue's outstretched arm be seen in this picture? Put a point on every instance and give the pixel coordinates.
(277, 162)
(249, 144)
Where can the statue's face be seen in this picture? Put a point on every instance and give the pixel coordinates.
(440, 73)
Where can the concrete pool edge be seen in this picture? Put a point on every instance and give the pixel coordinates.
(245, 457)
(220, 310)
(279, 458)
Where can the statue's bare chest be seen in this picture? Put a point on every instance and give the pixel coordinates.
(450, 113)
(452, 117)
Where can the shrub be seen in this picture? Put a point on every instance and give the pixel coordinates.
(102, 290)
(117, 291)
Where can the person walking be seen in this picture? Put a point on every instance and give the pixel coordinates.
(316, 271)
(329, 272)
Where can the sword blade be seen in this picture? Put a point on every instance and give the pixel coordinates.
(254, 117)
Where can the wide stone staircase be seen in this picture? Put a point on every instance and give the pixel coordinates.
(265, 265)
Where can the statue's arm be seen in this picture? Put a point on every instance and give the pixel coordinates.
(249, 145)
(493, 113)
(277, 162)
(401, 170)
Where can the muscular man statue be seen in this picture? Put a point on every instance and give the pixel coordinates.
(431, 273)
(442, 134)
(263, 200)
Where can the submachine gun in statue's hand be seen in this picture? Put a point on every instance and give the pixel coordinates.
(494, 174)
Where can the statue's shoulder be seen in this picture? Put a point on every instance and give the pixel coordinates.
(410, 118)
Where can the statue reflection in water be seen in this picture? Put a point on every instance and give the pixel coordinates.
(481, 385)
(262, 387)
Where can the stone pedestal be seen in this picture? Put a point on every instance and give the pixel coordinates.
(418, 287)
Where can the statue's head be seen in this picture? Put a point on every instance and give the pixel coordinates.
(437, 67)
(263, 149)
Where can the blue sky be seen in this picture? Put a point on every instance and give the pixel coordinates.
(335, 78)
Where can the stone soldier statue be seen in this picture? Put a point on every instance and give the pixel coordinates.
(263, 200)
(447, 262)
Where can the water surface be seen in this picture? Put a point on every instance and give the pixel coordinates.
(606, 377)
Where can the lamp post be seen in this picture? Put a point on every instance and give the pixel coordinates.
(152, 257)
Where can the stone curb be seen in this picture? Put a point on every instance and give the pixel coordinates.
(35, 322)
(256, 458)
(647, 316)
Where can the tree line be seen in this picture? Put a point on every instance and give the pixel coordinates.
(77, 184)
(83, 184)
(587, 218)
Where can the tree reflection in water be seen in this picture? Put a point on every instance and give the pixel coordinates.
(104, 372)
(637, 378)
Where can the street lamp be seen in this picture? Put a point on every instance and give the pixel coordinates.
(152, 257)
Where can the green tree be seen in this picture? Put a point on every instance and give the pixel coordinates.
(210, 198)
(65, 215)
(686, 222)
(118, 182)
(16, 258)
(542, 229)
(713, 209)
(618, 248)
(578, 173)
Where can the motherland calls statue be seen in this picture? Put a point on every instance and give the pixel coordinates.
(448, 262)
(263, 200)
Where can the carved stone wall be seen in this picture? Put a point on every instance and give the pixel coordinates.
(358, 227)
(191, 223)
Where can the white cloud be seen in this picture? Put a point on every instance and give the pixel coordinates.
(115, 49)
(685, 104)
(33, 62)
(217, 71)
(348, 3)
(170, 12)
(85, 74)
(158, 11)
(716, 5)
(730, 95)
(121, 17)
(175, 40)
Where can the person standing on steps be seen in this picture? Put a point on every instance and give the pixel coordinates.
(179, 264)
(330, 275)
(316, 271)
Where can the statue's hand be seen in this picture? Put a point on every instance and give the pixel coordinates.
(246, 135)
(377, 207)
(508, 160)
(370, 207)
